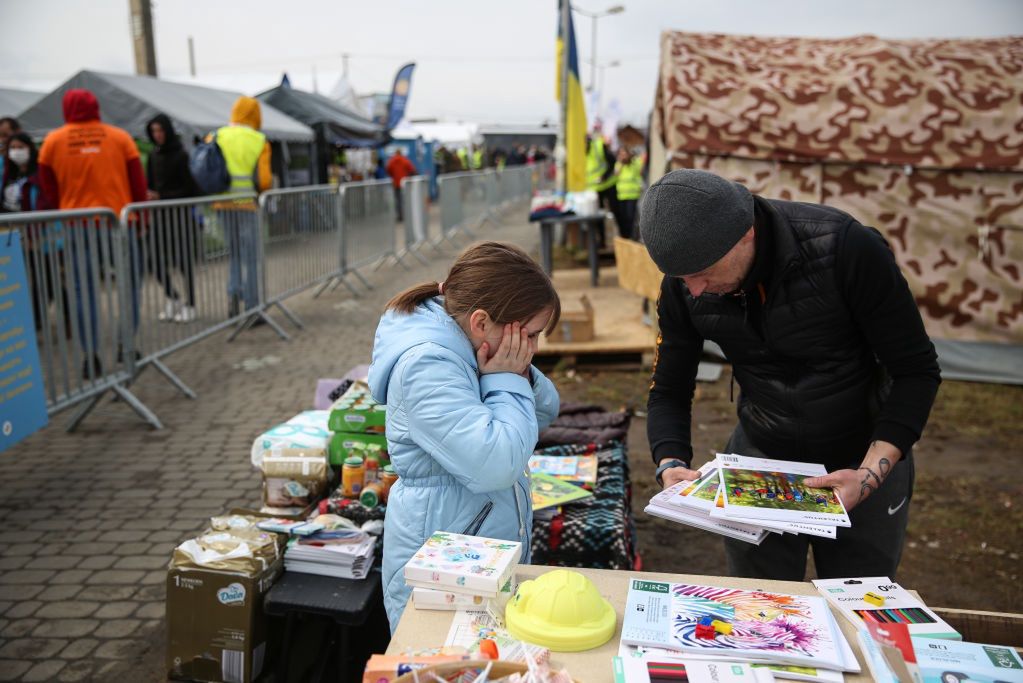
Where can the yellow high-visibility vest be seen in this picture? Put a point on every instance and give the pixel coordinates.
(241, 147)
(596, 166)
(630, 179)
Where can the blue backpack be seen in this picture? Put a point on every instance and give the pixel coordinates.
(208, 167)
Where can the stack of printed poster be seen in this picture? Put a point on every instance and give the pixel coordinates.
(665, 622)
(747, 498)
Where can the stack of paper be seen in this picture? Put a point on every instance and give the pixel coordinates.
(345, 554)
(745, 498)
(471, 565)
(446, 600)
(771, 628)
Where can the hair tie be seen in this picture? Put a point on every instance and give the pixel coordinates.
(440, 288)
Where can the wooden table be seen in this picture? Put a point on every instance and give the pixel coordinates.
(590, 224)
(427, 628)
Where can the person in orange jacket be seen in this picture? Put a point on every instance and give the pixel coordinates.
(83, 164)
(399, 167)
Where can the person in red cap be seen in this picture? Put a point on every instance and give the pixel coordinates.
(84, 164)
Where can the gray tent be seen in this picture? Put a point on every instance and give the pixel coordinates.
(340, 126)
(132, 101)
(13, 102)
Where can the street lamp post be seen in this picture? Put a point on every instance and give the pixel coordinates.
(601, 68)
(617, 9)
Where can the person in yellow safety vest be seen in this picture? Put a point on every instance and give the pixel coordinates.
(629, 187)
(247, 154)
(477, 159)
(600, 176)
(463, 158)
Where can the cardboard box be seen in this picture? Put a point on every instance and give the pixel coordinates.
(637, 272)
(216, 629)
(574, 326)
(357, 412)
(345, 444)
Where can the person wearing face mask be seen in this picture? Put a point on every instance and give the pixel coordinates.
(8, 127)
(21, 188)
(826, 344)
(21, 191)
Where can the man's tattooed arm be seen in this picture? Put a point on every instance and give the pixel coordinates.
(873, 478)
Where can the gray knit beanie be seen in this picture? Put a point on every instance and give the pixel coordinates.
(689, 219)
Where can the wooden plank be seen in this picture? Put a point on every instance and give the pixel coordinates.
(993, 628)
(618, 316)
(637, 272)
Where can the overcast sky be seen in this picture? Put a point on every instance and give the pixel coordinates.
(478, 60)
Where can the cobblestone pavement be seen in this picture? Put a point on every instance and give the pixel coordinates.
(88, 520)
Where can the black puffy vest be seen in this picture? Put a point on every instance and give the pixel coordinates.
(810, 387)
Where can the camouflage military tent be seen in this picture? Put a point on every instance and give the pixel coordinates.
(922, 139)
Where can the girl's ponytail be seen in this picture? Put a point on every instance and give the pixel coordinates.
(407, 301)
(500, 279)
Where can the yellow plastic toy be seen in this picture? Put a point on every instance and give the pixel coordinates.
(722, 627)
(562, 611)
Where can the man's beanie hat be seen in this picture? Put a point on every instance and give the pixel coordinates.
(689, 219)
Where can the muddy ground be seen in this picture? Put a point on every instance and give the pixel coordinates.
(966, 525)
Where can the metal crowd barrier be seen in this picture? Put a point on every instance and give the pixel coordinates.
(114, 295)
(465, 202)
(302, 233)
(200, 271)
(81, 267)
(415, 196)
(369, 230)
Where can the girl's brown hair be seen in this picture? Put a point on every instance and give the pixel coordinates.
(498, 278)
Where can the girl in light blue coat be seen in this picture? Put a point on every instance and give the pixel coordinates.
(464, 405)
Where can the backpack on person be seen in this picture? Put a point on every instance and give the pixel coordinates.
(209, 168)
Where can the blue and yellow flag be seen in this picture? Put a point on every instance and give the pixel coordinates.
(575, 116)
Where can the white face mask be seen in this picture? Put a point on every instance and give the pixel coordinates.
(19, 155)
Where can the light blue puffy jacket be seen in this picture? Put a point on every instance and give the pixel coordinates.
(460, 442)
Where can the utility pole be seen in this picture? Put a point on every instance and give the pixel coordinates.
(142, 37)
(191, 56)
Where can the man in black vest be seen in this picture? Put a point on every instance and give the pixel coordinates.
(826, 344)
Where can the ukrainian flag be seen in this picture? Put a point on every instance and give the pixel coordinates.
(575, 116)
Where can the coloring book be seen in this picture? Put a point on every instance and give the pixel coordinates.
(463, 564)
(764, 489)
(766, 627)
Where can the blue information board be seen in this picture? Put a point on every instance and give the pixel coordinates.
(22, 398)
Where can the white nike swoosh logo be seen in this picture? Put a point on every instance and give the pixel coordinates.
(893, 510)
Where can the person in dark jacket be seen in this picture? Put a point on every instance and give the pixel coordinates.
(827, 346)
(172, 247)
(21, 190)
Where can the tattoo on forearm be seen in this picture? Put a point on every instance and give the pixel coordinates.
(872, 480)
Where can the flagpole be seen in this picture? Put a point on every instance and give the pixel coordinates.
(561, 151)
